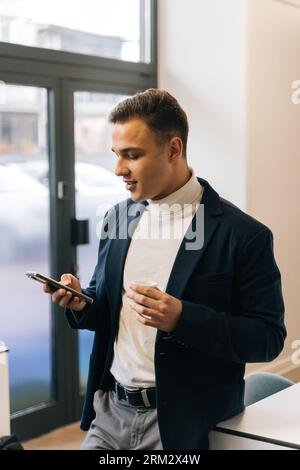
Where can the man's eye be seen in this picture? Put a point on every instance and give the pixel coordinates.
(133, 157)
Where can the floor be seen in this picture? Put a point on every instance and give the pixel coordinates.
(66, 438)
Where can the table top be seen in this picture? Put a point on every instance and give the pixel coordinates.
(274, 419)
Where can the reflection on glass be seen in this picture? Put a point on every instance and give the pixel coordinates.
(24, 241)
(97, 188)
(116, 29)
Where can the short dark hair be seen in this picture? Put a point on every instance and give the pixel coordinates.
(160, 110)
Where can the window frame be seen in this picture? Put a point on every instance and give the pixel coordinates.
(66, 64)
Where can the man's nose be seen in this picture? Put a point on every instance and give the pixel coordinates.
(121, 169)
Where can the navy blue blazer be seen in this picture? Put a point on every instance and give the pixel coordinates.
(233, 313)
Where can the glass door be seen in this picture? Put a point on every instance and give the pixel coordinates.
(31, 216)
(25, 314)
(96, 188)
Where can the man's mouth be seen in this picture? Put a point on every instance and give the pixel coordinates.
(131, 185)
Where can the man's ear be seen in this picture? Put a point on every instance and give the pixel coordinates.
(175, 148)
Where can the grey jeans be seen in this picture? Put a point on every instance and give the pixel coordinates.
(121, 426)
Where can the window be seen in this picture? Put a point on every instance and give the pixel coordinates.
(116, 29)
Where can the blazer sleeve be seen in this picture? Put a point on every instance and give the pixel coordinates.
(256, 331)
(88, 318)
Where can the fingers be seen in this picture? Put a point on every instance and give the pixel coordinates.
(61, 297)
(147, 321)
(142, 299)
(145, 312)
(47, 288)
(152, 292)
(71, 281)
(64, 299)
(66, 279)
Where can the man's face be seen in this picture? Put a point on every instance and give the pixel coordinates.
(142, 161)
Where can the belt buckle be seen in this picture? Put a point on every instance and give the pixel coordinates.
(145, 398)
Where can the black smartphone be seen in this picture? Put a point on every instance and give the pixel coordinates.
(57, 285)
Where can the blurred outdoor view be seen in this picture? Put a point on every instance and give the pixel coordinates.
(24, 241)
(24, 225)
(97, 188)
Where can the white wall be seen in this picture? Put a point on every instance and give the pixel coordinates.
(273, 142)
(231, 64)
(201, 57)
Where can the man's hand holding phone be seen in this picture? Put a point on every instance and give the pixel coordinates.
(64, 298)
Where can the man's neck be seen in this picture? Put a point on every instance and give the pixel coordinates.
(179, 183)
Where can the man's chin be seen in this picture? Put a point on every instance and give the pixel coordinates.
(137, 197)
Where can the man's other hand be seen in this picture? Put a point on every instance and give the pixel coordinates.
(154, 307)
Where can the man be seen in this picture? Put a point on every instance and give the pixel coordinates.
(168, 361)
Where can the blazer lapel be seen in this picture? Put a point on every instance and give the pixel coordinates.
(188, 257)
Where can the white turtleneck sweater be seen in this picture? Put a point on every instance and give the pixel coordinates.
(151, 256)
